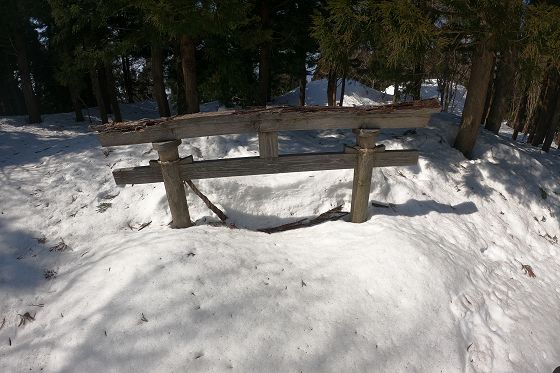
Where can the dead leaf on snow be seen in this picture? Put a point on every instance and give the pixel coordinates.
(528, 270)
(26, 317)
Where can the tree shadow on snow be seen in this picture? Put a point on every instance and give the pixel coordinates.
(414, 207)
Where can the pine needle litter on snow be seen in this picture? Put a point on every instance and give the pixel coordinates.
(61, 246)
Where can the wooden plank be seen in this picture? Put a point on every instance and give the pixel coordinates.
(258, 166)
(269, 120)
(268, 144)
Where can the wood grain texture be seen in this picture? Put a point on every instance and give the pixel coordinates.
(361, 185)
(174, 189)
(268, 144)
(407, 115)
(259, 166)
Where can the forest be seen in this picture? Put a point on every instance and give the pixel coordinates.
(63, 55)
(280, 186)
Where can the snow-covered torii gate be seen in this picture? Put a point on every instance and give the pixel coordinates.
(166, 134)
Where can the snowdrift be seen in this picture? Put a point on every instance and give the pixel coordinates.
(438, 279)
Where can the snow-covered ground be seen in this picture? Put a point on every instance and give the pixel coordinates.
(355, 94)
(431, 283)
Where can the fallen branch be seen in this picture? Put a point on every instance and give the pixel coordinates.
(333, 214)
(206, 201)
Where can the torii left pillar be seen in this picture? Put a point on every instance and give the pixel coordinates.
(174, 189)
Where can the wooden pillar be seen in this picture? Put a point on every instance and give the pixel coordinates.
(174, 189)
(365, 141)
(268, 144)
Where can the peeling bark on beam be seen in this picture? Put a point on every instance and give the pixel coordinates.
(405, 115)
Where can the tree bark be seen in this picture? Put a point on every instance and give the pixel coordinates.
(502, 93)
(331, 88)
(75, 97)
(396, 93)
(553, 127)
(546, 107)
(264, 56)
(418, 79)
(112, 90)
(188, 64)
(159, 86)
(302, 84)
(31, 100)
(342, 89)
(127, 79)
(520, 115)
(94, 75)
(489, 92)
(181, 100)
(481, 70)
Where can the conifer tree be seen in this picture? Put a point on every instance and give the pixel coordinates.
(189, 22)
(486, 24)
(14, 18)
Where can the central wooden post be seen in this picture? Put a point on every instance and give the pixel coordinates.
(365, 141)
(174, 189)
(268, 144)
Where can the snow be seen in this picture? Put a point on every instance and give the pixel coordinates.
(434, 282)
(355, 94)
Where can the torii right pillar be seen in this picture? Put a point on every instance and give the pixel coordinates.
(364, 149)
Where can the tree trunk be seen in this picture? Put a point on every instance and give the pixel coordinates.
(331, 88)
(31, 101)
(418, 79)
(75, 97)
(546, 107)
(264, 56)
(188, 63)
(11, 96)
(159, 86)
(502, 93)
(489, 93)
(520, 115)
(112, 89)
(396, 93)
(477, 89)
(553, 126)
(302, 83)
(342, 89)
(302, 87)
(180, 99)
(94, 75)
(127, 79)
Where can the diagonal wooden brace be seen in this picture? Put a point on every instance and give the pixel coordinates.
(174, 189)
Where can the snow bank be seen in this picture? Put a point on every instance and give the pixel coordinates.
(433, 282)
(355, 94)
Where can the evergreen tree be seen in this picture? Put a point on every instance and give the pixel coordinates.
(189, 22)
(17, 37)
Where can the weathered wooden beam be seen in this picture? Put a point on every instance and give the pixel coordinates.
(365, 146)
(174, 189)
(268, 144)
(260, 166)
(268, 120)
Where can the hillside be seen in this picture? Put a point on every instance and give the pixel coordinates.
(438, 279)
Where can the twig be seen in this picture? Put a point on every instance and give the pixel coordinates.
(207, 202)
(333, 214)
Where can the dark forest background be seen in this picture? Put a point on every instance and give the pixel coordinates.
(63, 55)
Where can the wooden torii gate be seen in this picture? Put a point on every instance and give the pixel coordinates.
(166, 134)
